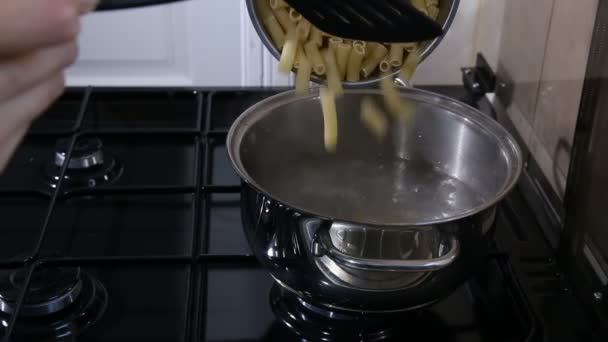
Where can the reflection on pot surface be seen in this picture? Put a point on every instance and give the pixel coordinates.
(374, 244)
(435, 259)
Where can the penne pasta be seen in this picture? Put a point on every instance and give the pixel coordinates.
(333, 43)
(312, 52)
(420, 5)
(384, 66)
(342, 54)
(369, 49)
(316, 36)
(396, 55)
(433, 12)
(264, 9)
(359, 42)
(299, 54)
(371, 63)
(409, 47)
(373, 118)
(288, 55)
(334, 83)
(278, 4)
(401, 109)
(303, 27)
(409, 65)
(294, 15)
(303, 75)
(306, 50)
(353, 68)
(330, 120)
(275, 31)
(283, 17)
(431, 3)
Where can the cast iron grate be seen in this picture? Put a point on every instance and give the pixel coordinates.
(207, 132)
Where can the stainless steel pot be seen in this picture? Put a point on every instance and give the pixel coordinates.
(380, 225)
(447, 12)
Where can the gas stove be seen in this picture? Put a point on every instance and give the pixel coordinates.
(139, 238)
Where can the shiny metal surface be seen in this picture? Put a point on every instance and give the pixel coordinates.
(45, 308)
(351, 247)
(88, 153)
(334, 228)
(282, 240)
(84, 162)
(447, 12)
(459, 162)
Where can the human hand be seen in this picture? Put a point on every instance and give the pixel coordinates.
(37, 43)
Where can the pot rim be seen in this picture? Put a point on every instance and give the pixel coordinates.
(507, 142)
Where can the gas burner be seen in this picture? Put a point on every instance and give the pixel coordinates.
(50, 291)
(61, 302)
(89, 165)
(316, 323)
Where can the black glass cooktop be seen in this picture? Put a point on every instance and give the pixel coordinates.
(139, 237)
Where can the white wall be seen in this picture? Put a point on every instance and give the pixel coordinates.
(212, 43)
(457, 49)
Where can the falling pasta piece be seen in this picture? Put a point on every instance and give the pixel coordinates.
(373, 118)
(402, 109)
(288, 55)
(303, 76)
(409, 65)
(330, 120)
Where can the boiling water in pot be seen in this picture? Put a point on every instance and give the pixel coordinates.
(398, 190)
(444, 166)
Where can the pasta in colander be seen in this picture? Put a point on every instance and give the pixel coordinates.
(307, 50)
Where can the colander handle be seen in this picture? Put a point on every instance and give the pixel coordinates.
(323, 246)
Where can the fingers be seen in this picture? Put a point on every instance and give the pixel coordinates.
(25, 107)
(26, 25)
(18, 74)
(10, 143)
(88, 5)
(17, 114)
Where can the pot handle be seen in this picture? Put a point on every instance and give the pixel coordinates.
(323, 246)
